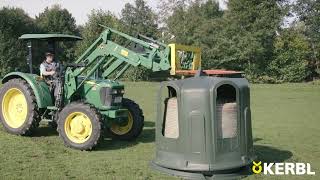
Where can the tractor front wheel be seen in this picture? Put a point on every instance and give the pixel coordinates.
(133, 128)
(18, 112)
(80, 126)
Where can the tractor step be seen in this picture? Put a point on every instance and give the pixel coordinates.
(46, 120)
(52, 108)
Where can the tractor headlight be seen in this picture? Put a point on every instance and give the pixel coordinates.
(114, 91)
(117, 91)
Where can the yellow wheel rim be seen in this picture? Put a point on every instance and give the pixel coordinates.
(14, 108)
(121, 130)
(78, 127)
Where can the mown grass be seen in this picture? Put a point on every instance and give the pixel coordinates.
(286, 128)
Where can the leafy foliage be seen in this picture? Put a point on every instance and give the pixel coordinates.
(138, 18)
(290, 63)
(309, 13)
(58, 20)
(13, 23)
(91, 30)
(239, 38)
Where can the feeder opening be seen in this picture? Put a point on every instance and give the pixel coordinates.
(227, 118)
(170, 127)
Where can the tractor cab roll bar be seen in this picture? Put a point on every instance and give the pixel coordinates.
(52, 40)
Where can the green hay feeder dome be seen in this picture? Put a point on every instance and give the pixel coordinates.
(203, 128)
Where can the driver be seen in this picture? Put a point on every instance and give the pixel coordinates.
(49, 70)
(48, 67)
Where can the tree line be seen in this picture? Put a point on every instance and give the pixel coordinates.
(252, 36)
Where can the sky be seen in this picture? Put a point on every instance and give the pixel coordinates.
(78, 8)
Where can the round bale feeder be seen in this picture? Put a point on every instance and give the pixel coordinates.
(203, 128)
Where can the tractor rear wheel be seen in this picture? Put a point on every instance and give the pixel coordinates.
(80, 126)
(133, 128)
(18, 112)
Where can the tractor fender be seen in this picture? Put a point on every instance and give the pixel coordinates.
(40, 88)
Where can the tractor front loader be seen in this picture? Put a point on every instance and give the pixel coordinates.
(90, 101)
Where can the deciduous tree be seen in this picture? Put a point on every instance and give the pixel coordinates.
(56, 19)
(13, 23)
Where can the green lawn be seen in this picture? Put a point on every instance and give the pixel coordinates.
(286, 128)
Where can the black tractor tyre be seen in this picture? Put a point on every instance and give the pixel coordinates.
(32, 119)
(138, 122)
(96, 124)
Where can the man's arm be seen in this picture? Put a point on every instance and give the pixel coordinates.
(43, 71)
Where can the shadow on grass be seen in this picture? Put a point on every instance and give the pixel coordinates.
(265, 154)
(149, 124)
(44, 131)
(270, 154)
(257, 139)
(147, 136)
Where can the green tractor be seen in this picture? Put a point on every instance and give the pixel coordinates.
(90, 102)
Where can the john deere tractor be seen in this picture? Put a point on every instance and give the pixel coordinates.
(90, 102)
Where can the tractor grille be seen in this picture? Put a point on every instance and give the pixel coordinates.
(111, 97)
(171, 124)
(105, 96)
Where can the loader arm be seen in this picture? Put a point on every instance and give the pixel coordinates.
(113, 52)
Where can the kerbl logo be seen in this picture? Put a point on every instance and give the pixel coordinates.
(282, 168)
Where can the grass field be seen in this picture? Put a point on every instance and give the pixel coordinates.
(286, 128)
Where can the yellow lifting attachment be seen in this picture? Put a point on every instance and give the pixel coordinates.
(184, 58)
